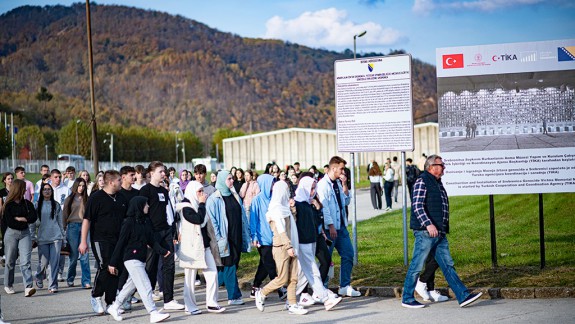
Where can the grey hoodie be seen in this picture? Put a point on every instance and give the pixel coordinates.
(49, 230)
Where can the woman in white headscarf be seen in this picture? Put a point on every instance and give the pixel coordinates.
(285, 246)
(308, 222)
(198, 249)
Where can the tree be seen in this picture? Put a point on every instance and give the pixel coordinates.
(32, 139)
(67, 139)
(5, 146)
(44, 96)
(219, 136)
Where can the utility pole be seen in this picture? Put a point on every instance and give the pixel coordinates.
(92, 95)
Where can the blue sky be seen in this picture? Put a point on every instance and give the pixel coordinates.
(417, 26)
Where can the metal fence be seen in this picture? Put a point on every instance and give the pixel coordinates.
(33, 166)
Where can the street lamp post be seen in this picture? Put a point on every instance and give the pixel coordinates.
(77, 122)
(177, 132)
(46, 147)
(353, 201)
(183, 151)
(111, 148)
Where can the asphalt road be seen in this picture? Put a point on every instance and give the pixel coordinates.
(72, 305)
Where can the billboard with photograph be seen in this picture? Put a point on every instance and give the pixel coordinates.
(507, 117)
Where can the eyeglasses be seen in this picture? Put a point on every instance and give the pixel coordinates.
(46, 189)
(440, 164)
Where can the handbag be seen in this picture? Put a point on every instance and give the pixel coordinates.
(65, 249)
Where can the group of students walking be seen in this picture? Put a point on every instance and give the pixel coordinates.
(136, 235)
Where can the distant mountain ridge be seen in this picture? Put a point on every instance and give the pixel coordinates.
(168, 72)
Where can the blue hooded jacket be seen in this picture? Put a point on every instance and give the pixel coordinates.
(259, 226)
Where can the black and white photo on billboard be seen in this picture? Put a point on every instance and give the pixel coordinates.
(510, 111)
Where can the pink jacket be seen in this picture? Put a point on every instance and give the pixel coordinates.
(248, 191)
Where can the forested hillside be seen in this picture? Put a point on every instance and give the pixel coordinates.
(168, 73)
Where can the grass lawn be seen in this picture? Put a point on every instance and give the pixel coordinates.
(517, 227)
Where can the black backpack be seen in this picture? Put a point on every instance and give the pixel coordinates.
(412, 173)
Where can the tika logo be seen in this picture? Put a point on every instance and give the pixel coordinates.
(370, 67)
(566, 53)
(453, 61)
(504, 57)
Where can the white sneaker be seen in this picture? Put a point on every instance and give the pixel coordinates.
(331, 302)
(9, 290)
(97, 305)
(421, 288)
(317, 299)
(238, 301)
(260, 300)
(331, 294)
(437, 297)
(197, 282)
(306, 300)
(349, 291)
(156, 316)
(114, 311)
(297, 310)
(134, 300)
(215, 309)
(60, 278)
(157, 296)
(173, 305)
(29, 292)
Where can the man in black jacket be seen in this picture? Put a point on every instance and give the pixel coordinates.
(430, 224)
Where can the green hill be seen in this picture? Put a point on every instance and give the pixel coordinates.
(168, 72)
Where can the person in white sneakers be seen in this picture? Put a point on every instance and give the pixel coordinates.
(285, 243)
(334, 195)
(425, 286)
(132, 247)
(308, 220)
(198, 249)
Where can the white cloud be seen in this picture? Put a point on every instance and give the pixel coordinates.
(328, 28)
(427, 6)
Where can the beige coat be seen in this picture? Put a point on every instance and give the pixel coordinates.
(192, 252)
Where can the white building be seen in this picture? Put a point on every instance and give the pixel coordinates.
(312, 147)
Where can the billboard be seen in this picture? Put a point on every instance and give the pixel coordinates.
(373, 103)
(507, 117)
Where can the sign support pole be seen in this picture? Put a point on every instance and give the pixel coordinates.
(492, 227)
(404, 211)
(541, 232)
(353, 211)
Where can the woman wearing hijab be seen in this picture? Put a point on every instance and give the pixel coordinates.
(135, 237)
(198, 250)
(285, 246)
(50, 236)
(231, 227)
(308, 222)
(184, 180)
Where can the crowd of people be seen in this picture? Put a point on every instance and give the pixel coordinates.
(140, 222)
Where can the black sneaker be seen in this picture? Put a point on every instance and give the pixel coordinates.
(470, 299)
(215, 309)
(413, 304)
(253, 292)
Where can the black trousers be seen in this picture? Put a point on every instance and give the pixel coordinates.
(166, 240)
(375, 191)
(266, 267)
(104, 282)
(428, 274)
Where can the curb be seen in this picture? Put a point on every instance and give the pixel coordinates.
(488, 293)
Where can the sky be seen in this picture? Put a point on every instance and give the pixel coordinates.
(416, 26)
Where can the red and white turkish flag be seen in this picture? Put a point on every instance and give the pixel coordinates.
(453, 61)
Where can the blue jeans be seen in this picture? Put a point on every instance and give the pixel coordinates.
(73, 233)
(50, 257)
(345, 250)
(229, 277)
(438, 247)
(18, 242)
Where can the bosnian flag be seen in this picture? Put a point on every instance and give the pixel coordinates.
(452, 61)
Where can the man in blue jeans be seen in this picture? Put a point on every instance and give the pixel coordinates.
(430, 224)
(334, 195)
